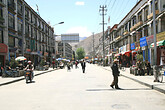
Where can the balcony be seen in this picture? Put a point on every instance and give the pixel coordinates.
(139, 24)
(151, 15)
(125, 33)
(136, 25)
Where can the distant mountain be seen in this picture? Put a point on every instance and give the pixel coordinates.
(82, 38)
(88, 42)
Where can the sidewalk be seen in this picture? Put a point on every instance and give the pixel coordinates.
(145, 80)
(5, 81)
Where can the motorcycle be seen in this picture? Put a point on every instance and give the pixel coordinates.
(28, 75)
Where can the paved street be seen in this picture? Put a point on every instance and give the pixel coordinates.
(73, 90)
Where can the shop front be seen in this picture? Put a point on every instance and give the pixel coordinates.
(3, 53)
(160, 44)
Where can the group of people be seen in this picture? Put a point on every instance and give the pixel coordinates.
(141, 66)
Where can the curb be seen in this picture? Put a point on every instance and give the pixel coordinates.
(143, 83)
(20, 79)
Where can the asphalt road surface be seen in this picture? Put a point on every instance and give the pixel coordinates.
(74, 90)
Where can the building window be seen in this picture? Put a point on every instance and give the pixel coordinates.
(1, 12)
(140, 16)
(27, 43)
(11, 20)
(163, 24)
(146, 31)
(26, 14)
(156, 5)
(11, 41)
(145, 13)
(11, 4)
(19, 26)
(26, 28)
(133, 20)
(19, 8)
(1, 36)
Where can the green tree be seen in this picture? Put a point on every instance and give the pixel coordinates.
(80, 53)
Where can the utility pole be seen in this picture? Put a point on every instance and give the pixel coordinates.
(103, 9)
(93, 46)
(155, 46)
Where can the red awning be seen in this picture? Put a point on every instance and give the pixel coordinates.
(127, 53)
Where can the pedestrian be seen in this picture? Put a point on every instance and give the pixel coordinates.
(148, 66)
(115, 73)
(53, 64)
(83, 65)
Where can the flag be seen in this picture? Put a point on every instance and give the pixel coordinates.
(109, 19)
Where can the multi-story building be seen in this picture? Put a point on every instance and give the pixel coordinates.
(24, 32)
(134, 33)
(64, 50)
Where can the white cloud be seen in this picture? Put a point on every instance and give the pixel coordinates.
(83, 31)
(79, 3)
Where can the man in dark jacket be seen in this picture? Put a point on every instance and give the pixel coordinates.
(83, 64)
(115, 72)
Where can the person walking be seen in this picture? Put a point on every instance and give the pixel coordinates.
(83, 65)
(148, 66)
(115, 73)
(53, 63)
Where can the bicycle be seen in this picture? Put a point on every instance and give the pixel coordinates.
(122, 67)
(160, 73)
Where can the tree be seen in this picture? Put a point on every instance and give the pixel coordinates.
(80, 53)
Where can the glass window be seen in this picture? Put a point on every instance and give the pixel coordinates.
(146, 31)
(140, 16)
(11, 41)
(145, 13)
(26, 28)
(133, 20)
(19, 8)
(1, 12)
(26, 13)
(19, 26)
(11, 23)
(1, 36)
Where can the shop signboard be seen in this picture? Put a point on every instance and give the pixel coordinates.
(133, 46)
(160, 36)
(150, 39)
(143, 42)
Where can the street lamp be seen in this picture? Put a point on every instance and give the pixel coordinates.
(56, 36)
(59, 23)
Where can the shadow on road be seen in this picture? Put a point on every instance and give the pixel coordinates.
(118, 89)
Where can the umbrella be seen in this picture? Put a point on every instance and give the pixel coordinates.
(20, 58)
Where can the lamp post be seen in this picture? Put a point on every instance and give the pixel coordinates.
(155, 46)
(56, 36)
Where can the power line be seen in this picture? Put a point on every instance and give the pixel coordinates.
(122, 10)
(109, 3)
(105, 2)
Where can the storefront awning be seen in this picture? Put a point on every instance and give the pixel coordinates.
(160, 43)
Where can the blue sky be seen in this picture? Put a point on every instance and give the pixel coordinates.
(81, 16)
